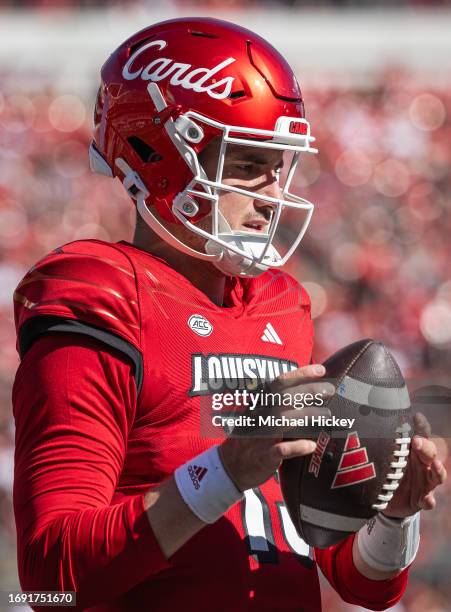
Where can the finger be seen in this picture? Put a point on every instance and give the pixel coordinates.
(438, 473)
(295, 448)
(425, 450)
(323, 389)
(428, 502)
(314, 393)
(295, 377)
(421, 425)
(434, 478)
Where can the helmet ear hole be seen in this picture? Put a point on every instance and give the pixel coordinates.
(143, 150)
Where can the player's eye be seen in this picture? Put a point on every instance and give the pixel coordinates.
(245, 168)
(242, 170)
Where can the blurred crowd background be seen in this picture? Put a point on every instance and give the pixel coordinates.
(219, 4)
(376, 259)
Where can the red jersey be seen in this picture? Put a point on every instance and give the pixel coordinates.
(149, 350)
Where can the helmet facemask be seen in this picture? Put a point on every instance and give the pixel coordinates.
(234, 252)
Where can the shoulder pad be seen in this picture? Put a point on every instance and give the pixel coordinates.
(89, 281)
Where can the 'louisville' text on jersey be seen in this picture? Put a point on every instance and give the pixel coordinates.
(215, 373)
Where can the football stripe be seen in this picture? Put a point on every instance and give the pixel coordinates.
(352, 441)
(354, 476)
(329, 520)
(383, 398)
(353, 458)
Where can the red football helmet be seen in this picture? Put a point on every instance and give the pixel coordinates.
(169, 90)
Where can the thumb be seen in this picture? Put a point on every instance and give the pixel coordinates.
(293, 448)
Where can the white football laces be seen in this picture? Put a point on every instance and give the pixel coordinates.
(396, 472)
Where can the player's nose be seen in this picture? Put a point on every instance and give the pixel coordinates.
(270, 187)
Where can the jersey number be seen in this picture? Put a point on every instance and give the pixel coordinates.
(259, 530)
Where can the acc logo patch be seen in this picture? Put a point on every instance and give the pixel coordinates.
(200, 325)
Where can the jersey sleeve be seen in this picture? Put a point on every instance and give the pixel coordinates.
(74, 404)
(338, 567)
(86, 287)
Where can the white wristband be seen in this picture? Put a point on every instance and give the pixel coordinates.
(387, 544)
(205, 486)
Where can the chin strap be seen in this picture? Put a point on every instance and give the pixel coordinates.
(250, 242)
(236, 265)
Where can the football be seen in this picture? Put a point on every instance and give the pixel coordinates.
(354, 470)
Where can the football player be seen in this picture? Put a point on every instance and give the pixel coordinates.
(120, 494)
